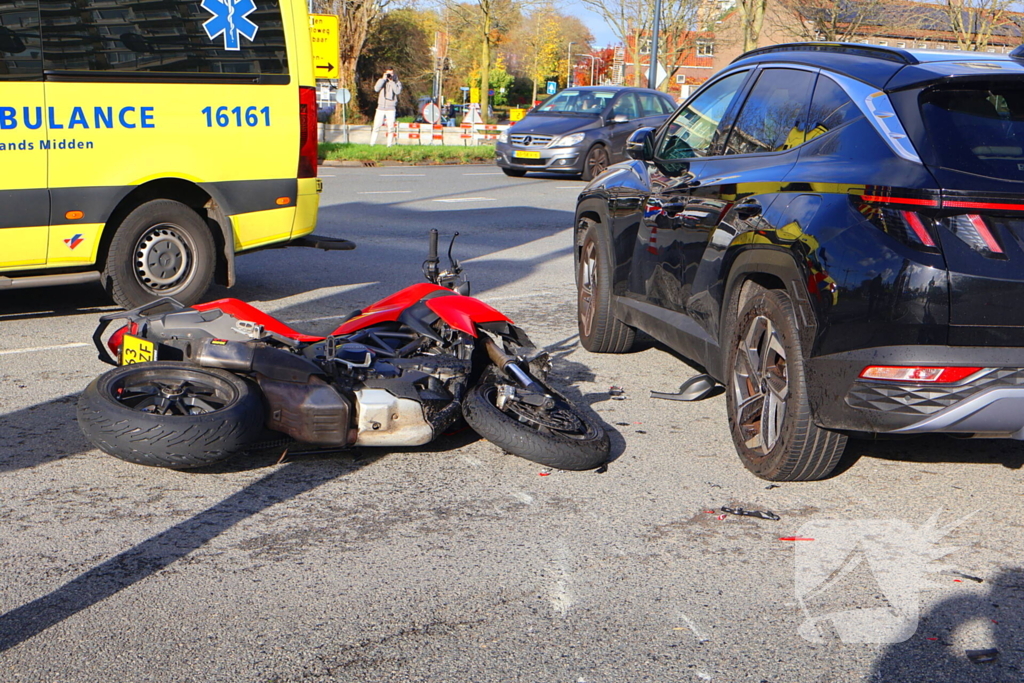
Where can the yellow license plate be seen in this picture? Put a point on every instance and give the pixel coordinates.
(137, 350)
(521, 154)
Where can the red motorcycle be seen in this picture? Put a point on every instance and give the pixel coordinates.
(196, 385)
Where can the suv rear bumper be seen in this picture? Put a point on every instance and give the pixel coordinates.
(988, 403)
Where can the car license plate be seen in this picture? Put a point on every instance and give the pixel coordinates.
(522, 154)
(137, 350)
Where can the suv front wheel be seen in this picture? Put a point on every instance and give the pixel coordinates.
(769, 414)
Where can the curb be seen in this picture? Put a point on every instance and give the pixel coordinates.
(354, 163)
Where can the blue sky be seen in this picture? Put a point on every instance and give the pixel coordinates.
(603, 35)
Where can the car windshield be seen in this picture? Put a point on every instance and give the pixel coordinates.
(587, 102)
(978, 128)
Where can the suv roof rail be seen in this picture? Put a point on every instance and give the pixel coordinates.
(890, 54)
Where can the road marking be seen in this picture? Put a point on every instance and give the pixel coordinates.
(524, 497)
(386, 192)
(33, 349)
(483, 174)
(560, 593)
(467, 199)
(401, 175)
(701, 638)
(568, 187)
(326, 176)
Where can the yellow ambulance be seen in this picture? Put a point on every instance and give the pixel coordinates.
(144, 143)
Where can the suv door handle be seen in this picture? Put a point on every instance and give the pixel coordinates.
(748, 209)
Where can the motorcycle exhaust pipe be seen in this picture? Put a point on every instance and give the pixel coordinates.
(220, 353)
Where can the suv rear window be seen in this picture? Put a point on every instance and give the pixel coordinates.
(977, 128)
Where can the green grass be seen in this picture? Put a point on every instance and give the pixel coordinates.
(411, 154)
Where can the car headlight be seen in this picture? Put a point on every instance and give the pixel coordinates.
(569, 140)
(503, 136)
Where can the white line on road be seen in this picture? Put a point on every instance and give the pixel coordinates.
(386, 192)
(568, 187)
(322, 175)
(467, 199)
(701, 638)
(401, 175)
(33, 349)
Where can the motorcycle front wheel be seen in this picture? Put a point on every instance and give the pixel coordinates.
(168, 414)
(562, 436)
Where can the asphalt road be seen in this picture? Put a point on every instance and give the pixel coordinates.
(457, 562)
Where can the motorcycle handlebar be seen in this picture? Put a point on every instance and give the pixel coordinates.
(432, 252)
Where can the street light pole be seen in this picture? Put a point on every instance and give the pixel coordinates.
(652, 74)
(568, 62)
(592, 62)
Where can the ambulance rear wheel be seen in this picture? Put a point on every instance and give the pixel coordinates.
(162, 248)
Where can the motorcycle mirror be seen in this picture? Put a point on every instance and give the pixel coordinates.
(455, 268)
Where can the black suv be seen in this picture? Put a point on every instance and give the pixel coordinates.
(835, 232)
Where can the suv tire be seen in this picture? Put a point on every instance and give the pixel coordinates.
(769, 415)
(600, 331)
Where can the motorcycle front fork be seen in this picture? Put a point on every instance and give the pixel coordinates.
(529, 391)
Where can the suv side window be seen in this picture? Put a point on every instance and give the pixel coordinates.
(136, 35)
(831, 108)
(774, 117)
(21, 58)
(693, 130)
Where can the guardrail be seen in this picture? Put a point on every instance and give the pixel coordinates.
(436, 134)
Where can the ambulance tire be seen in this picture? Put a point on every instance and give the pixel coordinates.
(161, 249)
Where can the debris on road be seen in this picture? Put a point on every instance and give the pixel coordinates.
(617, 393)
(693, 389)
(545, 472)
(953, 572)
(769, 487)
(982, 656)
(760, 514)
(795, 538)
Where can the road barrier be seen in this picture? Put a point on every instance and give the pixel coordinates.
(465, 134)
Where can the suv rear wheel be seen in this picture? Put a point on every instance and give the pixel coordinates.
(769, 414)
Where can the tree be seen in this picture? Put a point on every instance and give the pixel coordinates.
(487, 21)
(973, 21)
(401, 40)
(751, 19)
(631, 21)
(843, 20)
(355, 18)
(500, 81)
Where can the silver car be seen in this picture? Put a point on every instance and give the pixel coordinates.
(580, 131)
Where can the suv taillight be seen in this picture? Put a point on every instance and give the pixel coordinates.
(976, 233)
(909, 227)
(307, 132)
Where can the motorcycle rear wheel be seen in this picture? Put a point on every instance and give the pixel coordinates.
(169, 414)
(562, 437)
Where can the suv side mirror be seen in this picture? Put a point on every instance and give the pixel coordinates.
(640, 145)
(619, 118)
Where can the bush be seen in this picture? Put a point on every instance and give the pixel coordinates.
(412, 154)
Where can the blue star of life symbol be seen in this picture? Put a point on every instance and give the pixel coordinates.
(230, 18)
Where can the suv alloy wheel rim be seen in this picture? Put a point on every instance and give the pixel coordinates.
(760, 385)
(587, 275)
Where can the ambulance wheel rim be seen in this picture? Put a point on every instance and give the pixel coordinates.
(163, 257)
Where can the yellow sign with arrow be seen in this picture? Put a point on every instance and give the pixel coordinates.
(323, 30)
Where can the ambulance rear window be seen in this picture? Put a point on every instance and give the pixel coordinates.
(20, 54)
(168, 36)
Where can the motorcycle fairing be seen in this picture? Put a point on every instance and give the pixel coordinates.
(464, 313)
(242, 311)
(461, 312)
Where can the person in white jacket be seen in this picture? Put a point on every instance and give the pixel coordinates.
(389, 88)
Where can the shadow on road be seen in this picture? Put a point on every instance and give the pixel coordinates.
(159, 551)
(931, 654)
